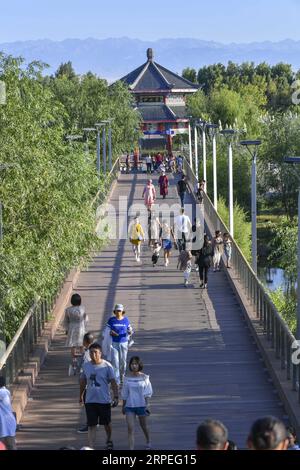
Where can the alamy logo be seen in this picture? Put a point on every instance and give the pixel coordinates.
(296, 353)
(2, 93)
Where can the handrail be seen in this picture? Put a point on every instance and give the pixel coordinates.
(18, 334)
(112, 172)
(274, 328)
(26, 337)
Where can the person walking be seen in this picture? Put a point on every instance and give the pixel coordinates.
(155, 253)
(166, 234)
(185, 265)
(153, 228)
(149, 194)
(182, 188)
(85, 357)
(182, 229)
(197, 240)
(136, 391)
(204, 261)
(95, 381)
(136, 236)
(149, 163)
(127, 163)
(218, 248)
(227, 248)
(163, 182)
(75, 323)
(8, 424)
(121, 332)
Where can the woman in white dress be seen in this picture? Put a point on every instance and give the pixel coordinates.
(75, 323)
(135, 393)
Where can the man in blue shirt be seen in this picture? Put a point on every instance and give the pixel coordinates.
(120, 332)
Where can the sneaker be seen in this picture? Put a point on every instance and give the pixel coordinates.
(148, 446)
(83, 429)
(201, 286)
(167, 262)
(205, 286)
(109, 445)
(138, 259)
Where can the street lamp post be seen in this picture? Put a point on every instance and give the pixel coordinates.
(87, 130)
(109, 143)
(202, 125)
(250, 144)
(196, 150)
(190, 146)
(296, 160)
(98, 126)
(228, 134)
(212, 129)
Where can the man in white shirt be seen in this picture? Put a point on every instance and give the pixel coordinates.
(149, 163)
(182, 229)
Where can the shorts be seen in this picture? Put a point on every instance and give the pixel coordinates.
(98, 413)
(167, 244)
(137, 410)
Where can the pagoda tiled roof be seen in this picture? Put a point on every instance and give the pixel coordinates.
(161, 112)
(152, 77)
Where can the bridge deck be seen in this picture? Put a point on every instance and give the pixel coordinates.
(195, 345)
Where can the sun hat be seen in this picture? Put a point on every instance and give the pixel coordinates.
(119, 307)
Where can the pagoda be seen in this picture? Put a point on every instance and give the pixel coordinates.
(160, 97)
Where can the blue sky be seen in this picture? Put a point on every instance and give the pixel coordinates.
(219, 20)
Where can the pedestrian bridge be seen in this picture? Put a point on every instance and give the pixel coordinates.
(222, 353)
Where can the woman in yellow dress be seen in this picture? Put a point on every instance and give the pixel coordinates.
(136, 237)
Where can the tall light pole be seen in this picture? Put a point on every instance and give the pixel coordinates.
(250, 144)
(296, 160)
(98, 126)
(228, 134)
(87, 130)
(109, 143)
(202, 125)
(190, 146)
(196, 150)
(212, 129)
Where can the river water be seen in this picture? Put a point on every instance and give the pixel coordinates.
(274, 278)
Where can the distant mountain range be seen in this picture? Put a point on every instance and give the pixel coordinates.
(114, 57)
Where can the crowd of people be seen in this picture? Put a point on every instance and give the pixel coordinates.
(266, 433)
(102, 366)
(99, 374)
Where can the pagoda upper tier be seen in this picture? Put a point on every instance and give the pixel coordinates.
(153, 78)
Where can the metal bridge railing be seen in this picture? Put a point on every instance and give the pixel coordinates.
(276, 331)
(23, 343)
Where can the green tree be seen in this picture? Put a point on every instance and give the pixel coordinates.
(66, 70)
(190, 74)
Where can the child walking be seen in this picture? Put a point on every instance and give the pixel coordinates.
(227, 248)
(155, 253)
(185, 264)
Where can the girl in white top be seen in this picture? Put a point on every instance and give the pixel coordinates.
(135, 393)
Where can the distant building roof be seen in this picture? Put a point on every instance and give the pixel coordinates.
(152, 77)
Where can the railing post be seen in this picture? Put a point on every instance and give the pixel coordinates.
(282, 348)
(288, 359)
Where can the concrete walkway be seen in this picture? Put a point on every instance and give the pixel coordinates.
(195, 345)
